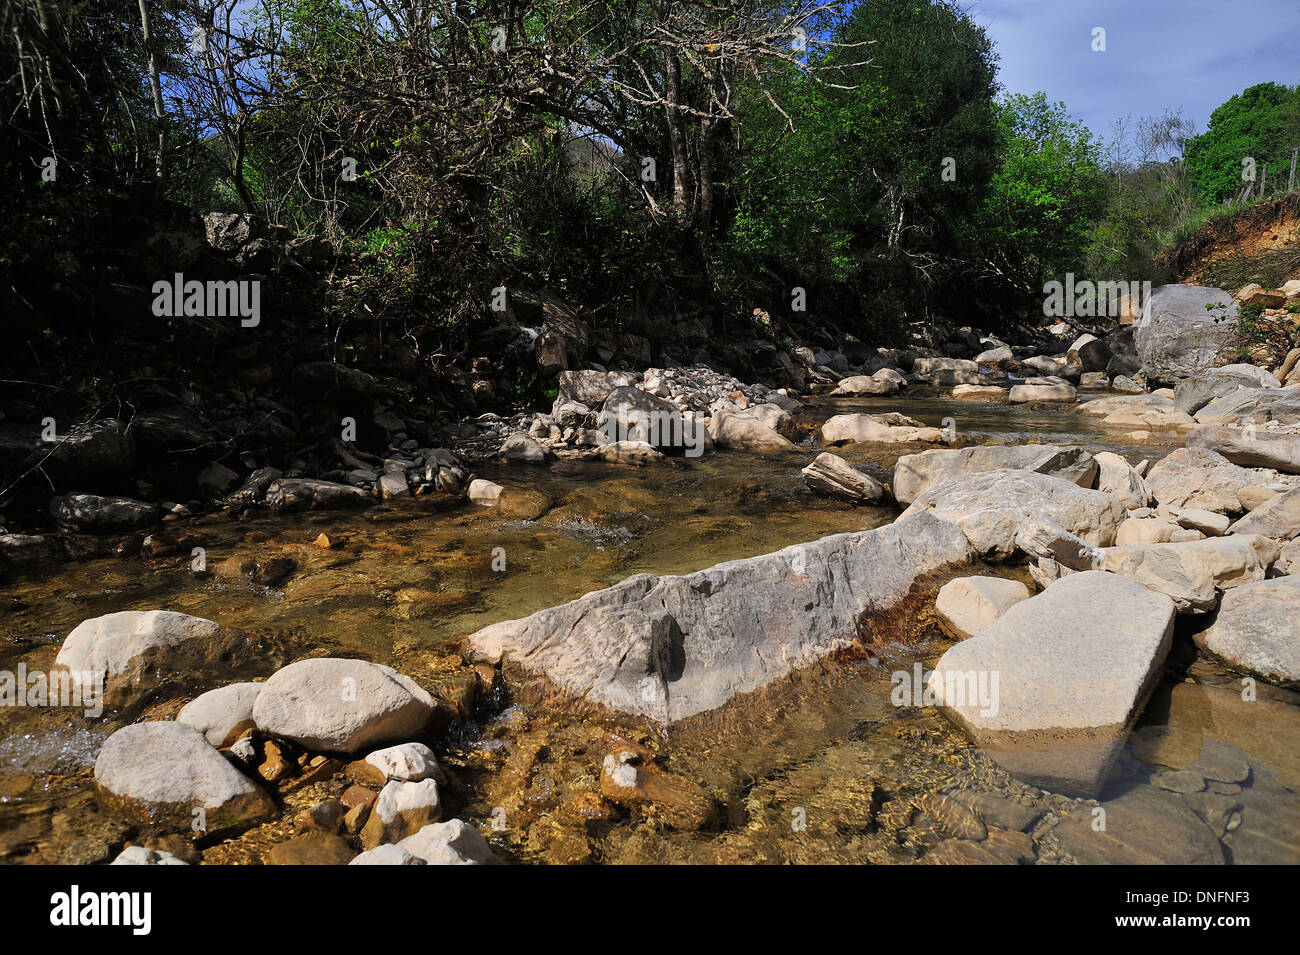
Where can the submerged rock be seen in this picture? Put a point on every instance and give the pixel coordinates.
(669, 647)
(1069, 671)
(831, 475)
(1144, 826)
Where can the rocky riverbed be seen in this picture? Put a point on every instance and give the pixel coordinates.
(681, 618)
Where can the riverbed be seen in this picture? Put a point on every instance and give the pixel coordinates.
(822, 767)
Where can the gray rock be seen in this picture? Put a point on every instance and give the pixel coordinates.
(1191, 572)
(1253, 404)
(96, 513)
(1195, 477)
(1178, 337)
(1278, 517)
(90, 454)
(520, 447)
(221, 715)
(591, 388)
(1121, 481)
(729, 430)
(1073, 668)
(392, 485)
(1044, 391)
(630, 414)
(992, 507)
(896, 428)
(339, 705)
(137, 650)
(864, 385)
(564, 338)
(1193, 394)
(1257, 449)
(669, 647)
(159, 773)
(1258, 630)
(916, 473)
(308, 494)
(831, 475)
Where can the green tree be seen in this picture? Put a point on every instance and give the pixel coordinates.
(1261, 124)
(1038, 217)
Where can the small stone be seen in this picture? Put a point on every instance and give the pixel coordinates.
(312, 848)
(274, 766)
(1183, 781)
(1222, 763)
(409, 762)
(402, 809)
(326, 816)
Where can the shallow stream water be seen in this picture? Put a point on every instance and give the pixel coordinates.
(819, 768)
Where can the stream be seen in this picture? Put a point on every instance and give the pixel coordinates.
(820, 768)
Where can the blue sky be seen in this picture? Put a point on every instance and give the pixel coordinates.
(1188, 53)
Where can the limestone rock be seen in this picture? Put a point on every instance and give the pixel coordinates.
(1073, 668)
(159, 773)
(915, 473)
(967, 605)
(670, 647)
(340, 705)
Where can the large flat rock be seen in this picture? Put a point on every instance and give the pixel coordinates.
(666, 648)
(993, 507)
(916, 473)
(1073, 668)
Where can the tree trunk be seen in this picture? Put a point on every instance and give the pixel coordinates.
(677, 135)
(155, 85)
